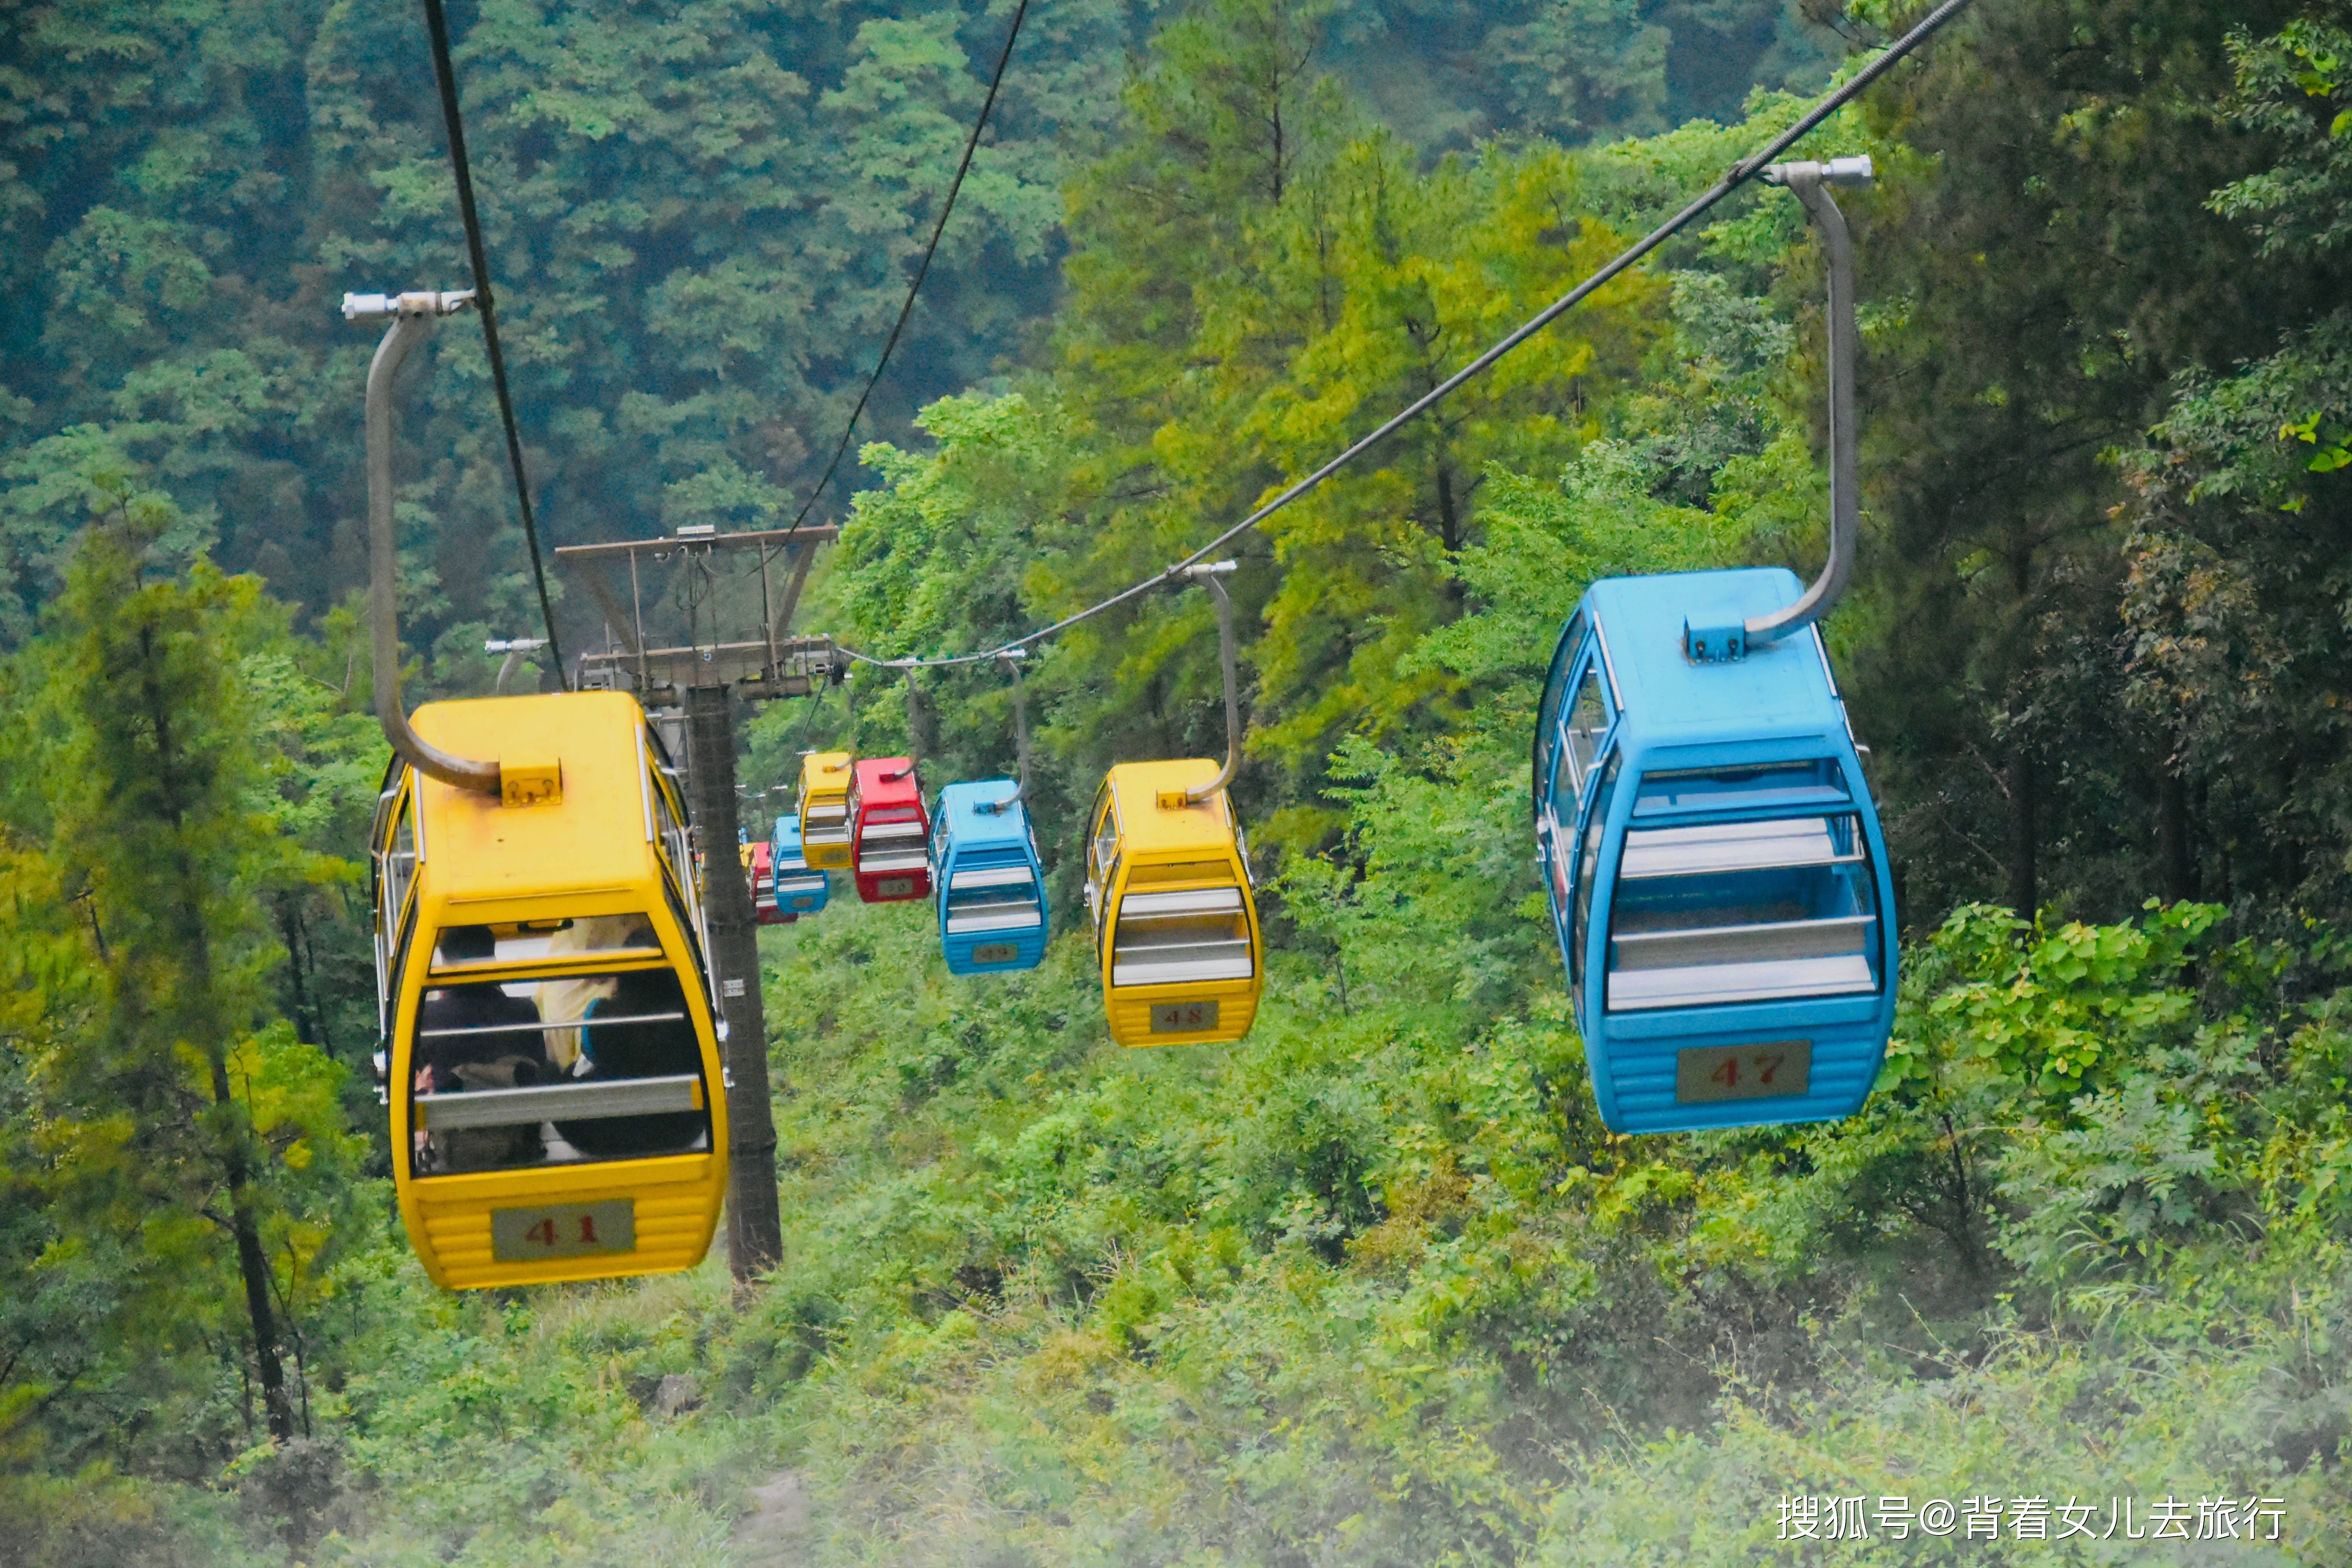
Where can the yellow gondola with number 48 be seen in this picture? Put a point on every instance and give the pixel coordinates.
(1167, 889)
(1176, 932)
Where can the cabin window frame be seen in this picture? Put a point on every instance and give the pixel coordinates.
(395, 890)
(1564, 656)
(1591, 683)
(532, 971)
(1592, 821)
(674, 850)
(1101, 870)
(396, 969)
(1206, 926)
(1856, 864)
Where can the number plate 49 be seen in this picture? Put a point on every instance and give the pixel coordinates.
(564, 1230)
(1767, 1071)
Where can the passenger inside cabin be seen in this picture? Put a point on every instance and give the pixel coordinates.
(641, 1029)
(567, 1001)
(477, 1025)
(471, 1036)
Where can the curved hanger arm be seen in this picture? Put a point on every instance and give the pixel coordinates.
(515, 650)
(1011, 660)
(1811, 182)
(914, 700)
(1211, 574)
(411, 317)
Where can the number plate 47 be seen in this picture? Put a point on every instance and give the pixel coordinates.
(1768, 1072)
(564, 1230)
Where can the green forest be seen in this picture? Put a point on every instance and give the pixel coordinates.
(1376, 1286)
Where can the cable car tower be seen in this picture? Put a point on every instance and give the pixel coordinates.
(728, 599)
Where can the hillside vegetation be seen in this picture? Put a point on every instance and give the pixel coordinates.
(1374, 1287)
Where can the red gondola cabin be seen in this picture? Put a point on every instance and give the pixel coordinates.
(758, 863)
(889, 833)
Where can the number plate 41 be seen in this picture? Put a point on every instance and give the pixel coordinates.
(1768, 1072)
(564, 1230)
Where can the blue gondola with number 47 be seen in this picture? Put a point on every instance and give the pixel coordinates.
(1709, 848)
(1713, 865)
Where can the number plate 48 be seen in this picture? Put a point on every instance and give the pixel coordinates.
(564, 1230)
(1183, 1018)
(1767, 1071)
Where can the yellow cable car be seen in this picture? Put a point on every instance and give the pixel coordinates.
(550, 1061)
(557, 1103)
(824, 810)
(1167, 886)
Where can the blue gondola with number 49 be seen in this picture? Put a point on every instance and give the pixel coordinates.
(992, 887)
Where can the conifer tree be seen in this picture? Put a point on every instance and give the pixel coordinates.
(153, 804)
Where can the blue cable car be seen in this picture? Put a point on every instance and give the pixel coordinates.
(798, 889)
(1718, 879)
(985, 865)
(992, 885)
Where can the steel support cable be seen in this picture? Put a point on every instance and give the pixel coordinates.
(436, 23)
(1739, 174)
(922, 270)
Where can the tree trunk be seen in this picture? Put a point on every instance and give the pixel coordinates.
(2176, 856)
(2024, 793)
(253, 1265)
(1449, 522)
(199, 1010)
(309, 1016)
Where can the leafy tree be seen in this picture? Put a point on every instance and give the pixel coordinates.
(2235, 575)
(2056, 267)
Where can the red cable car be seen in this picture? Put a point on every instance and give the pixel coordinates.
(889, 833)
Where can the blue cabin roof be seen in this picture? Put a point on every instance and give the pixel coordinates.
(970, 827)
(1781, 689)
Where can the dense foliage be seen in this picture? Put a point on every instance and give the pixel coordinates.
(1375, 1287)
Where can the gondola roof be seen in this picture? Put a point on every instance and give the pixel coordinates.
(1146, 825)
(961, 804)
(595, 839)
(1782, 688)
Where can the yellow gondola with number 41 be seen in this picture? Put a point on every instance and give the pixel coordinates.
(558, 1108)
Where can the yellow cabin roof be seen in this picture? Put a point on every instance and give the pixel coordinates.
(825, 772)
(1149, 829)
(592, 840)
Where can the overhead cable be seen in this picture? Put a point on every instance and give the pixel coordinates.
(437, 24)
(971, 144)
(1739, 174)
